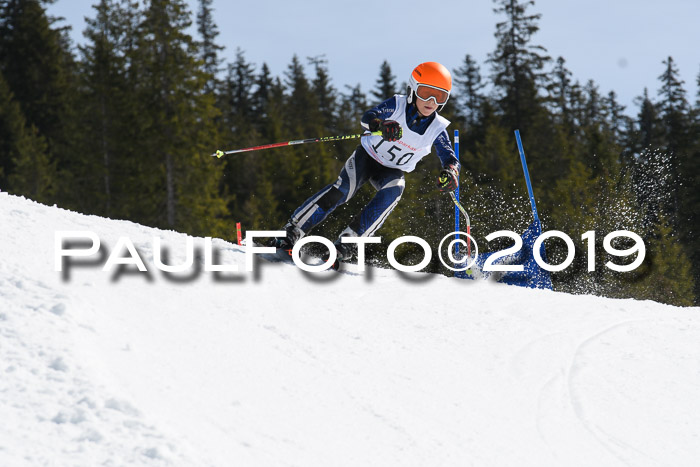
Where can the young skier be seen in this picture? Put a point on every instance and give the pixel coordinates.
(410, 126)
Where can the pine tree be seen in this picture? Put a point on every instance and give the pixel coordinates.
(597, 148)
(649, 161)
(649, 133)
(209, 49)
(236, 103)
(697, 100)
(267, 105)
(502, 162)
(354, 105)
(518, 75)
(300, 99)
(616, 119)
(385, 84)
(576, 197)
(324, 92)
(37, 66)
(329, 164)
(179, 181)
(666, 276)
(559, 89)
(675, 115)
(12, 123)
(238, 125)
(480, 164)
(674, 108)
(690, 199)
(682, 147)
(517, 65)
(252, 108)
(34, 175)
(268, 192)
(304, 165)
(108, 116)
(24, 164)
(469, 90)
(674, 111)
(32, 62)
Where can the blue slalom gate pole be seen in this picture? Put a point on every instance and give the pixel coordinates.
(532, 275)
(457, 195)
(527, 176)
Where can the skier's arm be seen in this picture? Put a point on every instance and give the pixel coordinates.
(381, 112)
(448, 180)
(445, 152)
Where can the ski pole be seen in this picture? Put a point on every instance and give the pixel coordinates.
(466, 218)
(325, 139)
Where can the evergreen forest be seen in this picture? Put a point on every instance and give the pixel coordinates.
(124, 126)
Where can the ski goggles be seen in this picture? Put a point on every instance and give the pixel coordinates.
(425, 92)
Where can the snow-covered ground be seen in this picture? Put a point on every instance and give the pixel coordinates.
(286, 368)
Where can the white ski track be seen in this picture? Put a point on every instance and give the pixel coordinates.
(285, 368)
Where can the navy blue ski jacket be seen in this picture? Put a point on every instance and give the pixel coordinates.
(417, 123)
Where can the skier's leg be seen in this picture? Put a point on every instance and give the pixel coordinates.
(390, 184)
(316, 208)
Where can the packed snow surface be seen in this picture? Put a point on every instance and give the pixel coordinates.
(285, 368)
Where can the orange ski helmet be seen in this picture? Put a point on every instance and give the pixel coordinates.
(430, 80)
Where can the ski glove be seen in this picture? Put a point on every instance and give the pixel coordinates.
(448, 178)
(391, 130)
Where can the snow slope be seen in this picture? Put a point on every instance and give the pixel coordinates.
(286, 368)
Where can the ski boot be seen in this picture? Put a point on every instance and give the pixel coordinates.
(286, 243)
(344, 252)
